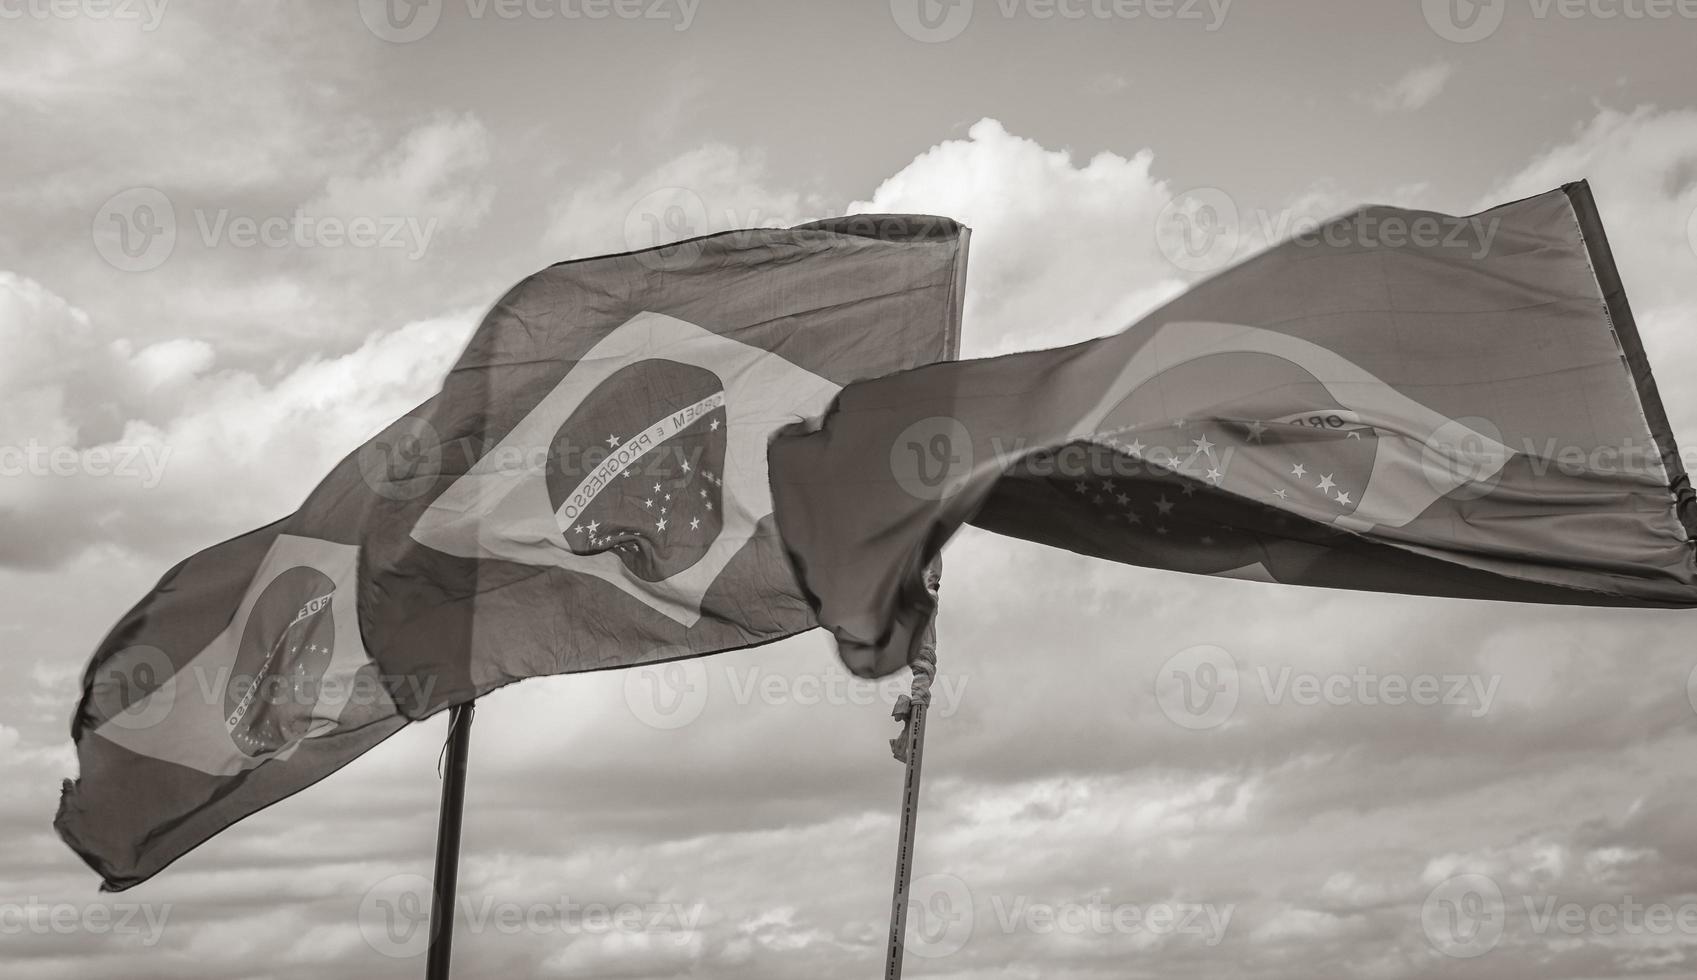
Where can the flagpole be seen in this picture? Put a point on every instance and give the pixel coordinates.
(915, 750)
(910, 748)
(441, 951)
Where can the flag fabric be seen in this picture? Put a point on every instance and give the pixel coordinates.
(1469, 413)
(588, 490)
(594, 490)
(240, 680)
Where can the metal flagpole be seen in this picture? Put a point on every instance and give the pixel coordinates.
(914, 750)
(910, 748)
(441, 950)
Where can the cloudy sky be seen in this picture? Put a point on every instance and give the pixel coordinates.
(423, 157)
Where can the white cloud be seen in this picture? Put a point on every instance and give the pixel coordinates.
(434, 173)
(1642, 166)
(1414, 90)
(1060, 251)
(713, 188)
(149, 448)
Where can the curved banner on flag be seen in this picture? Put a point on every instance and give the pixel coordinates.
(1406, 455)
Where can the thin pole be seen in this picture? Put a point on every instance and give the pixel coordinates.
(441, 951)
(904, 848)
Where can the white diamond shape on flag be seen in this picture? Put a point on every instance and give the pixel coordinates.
(280, 673)
(501, 507)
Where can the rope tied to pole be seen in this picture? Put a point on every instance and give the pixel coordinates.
(924, 666)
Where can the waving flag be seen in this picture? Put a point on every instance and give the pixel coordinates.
(588, 490)
(1469, 413)
(239, 681)
(596, 494)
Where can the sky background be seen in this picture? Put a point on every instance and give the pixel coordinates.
(1073, 824)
